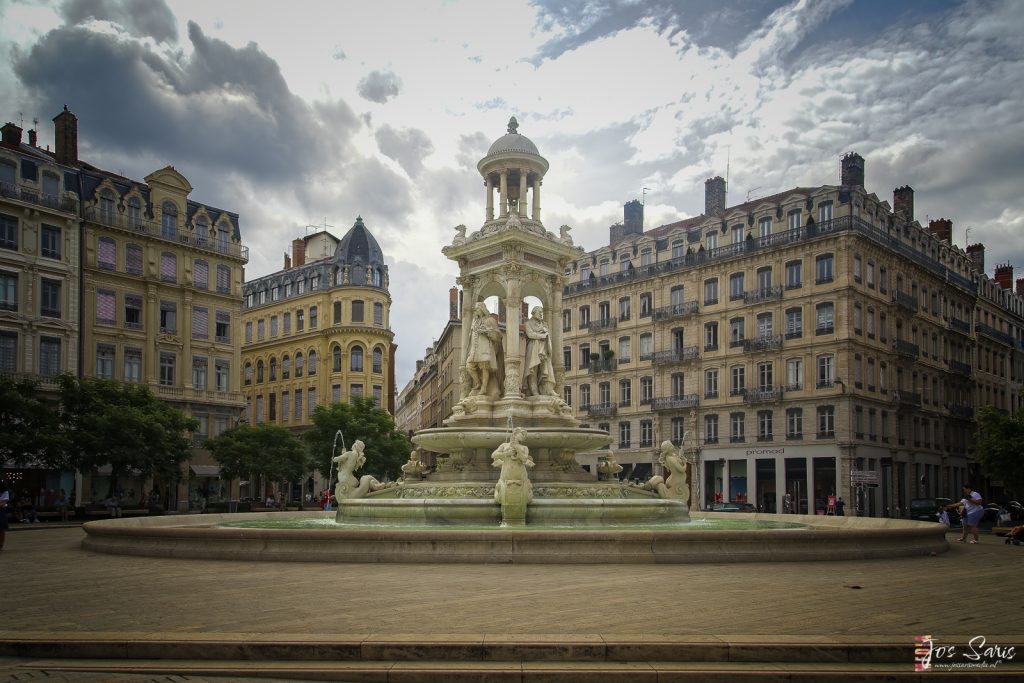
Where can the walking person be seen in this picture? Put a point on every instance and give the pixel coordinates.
(5, 500)
(973, 508)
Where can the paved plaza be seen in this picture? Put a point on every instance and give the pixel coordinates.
(54, 588)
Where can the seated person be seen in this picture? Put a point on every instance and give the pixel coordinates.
(25, 510)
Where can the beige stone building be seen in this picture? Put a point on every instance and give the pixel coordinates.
(318, 331)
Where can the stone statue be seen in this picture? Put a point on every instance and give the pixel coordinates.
(513, 126)
(460, 235)
(348, 485)
(675, 486)
(414, 468)
(482, 357)
(608, 468)
(540, 376)
(513, 488)
(563, 235)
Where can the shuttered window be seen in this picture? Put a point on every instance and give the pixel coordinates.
(201, 274)
(106, 254)
(133, 259)
(200, 322)
(223, 279)
(105, 307)
(168, 267)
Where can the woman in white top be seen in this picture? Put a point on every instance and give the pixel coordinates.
(973, 508)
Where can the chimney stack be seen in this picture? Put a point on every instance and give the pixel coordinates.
(453, 303)
(852, 173)
(1004, 276)
(11, 133)
(299, 252)
(942, 228)
(65, 126)
(287, 261)
(632, 222)
(903, 202)
(976, 252)
(714, 196)
(32, 137)
(1020, 286)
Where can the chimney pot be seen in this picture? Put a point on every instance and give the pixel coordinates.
(976, 252)
(1020, 286)
(942, 228)
(298, 252)
(1004, 276)
(714, 196)
(32, 139)
(852, 170)
(65, 126)
(11, 134)
(903, 202)
(287, 261)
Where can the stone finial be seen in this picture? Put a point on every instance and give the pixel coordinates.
(513, 126)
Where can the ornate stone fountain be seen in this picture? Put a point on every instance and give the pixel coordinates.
(509, 380)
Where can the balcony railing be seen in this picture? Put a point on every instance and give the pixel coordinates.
(685, 354)
(904, 300)
(764, 395)
(602, 409)
(960, 368)
(676, 310)
(993, 333)
(65, 204)
(908, 398)
(602, 324)
(154, 230)
(765, 294)
(602, 365)
(960, 326)
(773, 343)
(961, 412)
(906, 349)
(676, 403)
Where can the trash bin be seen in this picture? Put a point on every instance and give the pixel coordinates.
(232, 506)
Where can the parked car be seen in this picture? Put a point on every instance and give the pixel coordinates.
(733, 507)
(929, 509)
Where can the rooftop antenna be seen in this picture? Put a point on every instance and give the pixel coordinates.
(643, 199)
(752, 191)
(967, 235)
(728, 158)
(318, 228)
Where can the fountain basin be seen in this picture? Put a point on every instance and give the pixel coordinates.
(821, 538)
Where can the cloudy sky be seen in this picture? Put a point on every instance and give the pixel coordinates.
(304, 112)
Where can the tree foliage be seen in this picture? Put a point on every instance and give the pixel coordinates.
(387, 449)
(1000, 446)
(122, 425)
(29, 434)
(266, 450)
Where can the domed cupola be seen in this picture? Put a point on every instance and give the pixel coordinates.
(360, 257)
(515, 168)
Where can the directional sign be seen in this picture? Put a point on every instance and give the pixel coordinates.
(869, 477)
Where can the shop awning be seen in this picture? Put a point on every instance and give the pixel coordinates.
(206, 470)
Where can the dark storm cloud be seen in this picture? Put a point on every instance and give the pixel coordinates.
(409, 147)
(709, 22)
(141, 18)
(221, 107)
(379, 86)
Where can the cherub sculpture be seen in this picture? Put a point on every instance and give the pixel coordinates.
(675, 485)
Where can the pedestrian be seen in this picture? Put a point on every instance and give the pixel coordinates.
(5, 500)
(973, 508)
(840, 507)
(787, 503)
(281, 502)
(62, 505)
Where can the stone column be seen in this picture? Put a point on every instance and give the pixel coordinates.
(780, 482)
(151, 354)
(810, 486)
(553, 316)
(503, 192)
(522, 193)
(490, 198)
(513, 362)
(468, 301)
(536, 199)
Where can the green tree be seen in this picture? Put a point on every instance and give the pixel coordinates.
(29, 434)
(387, 449)
(124, 426)
(266, 450)
(1000, 446)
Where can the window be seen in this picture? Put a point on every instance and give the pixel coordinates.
(49, 356)
(312, 317)
(356, 359)
(826, 378)
(223, 279)
(567, 395)
(261, 329)
(167, 365)
(106, 253)
(584, 396)
(584, 272)
(248, 332)
(132, 365)
(712, 240)
(260, 375)
(50, 298)
(604, 312)
(794, 219)
(566, 320)
(336, 359)
(711, 291)
(826, 422)
(8, 230)
(710, 429)
(736, 337)
(378, 314)
(646, 390)
(8, 291)
(298, 404)
(357, 313)
(625, 350)
(645, 257)
(823, 265)
(169, 267)
(8, 352)
(794, 274)
(764, 425)
(711, 383)
(883, 280)
(824, 212)
(765, 375)
(298, 364)
(106, 307)
(8, 172)
(824, 318)
(567, 357)
(764, 325)
(247, 371)
(378, 360)
(678, 386)
(311, 363)
(646, 305)
(646, 433)
(678, 430)
(735, 286)
(795, 423)
(49, 241)
(222, 331)
(794, 374)
(858, 265)
(286, 366)
(794, 323)
(134, 213)
(738, 375)
(107, 207)
(275, 293)
(737, 427)
(710, 336)
(624, 435)
(764, 229)
(222, 374)
(870, 323)
(624, 312)
(105, 361)
(168, 220)
(378, 391)
(51, 185)
(200, 322)
(737, 233)
(584, 356)
(286, 323)
(201, 274)
(199, 366)
(604, 393)
(133, 259)
(646, 346)
(222, 237)
(858, 314)
(300, 321)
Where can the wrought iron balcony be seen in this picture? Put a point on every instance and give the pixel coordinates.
(757, 296)
(602, 324)
(773, 343)
(602, 409)
(960, 326)
(906, 349)
(904, 300)
(908, 399)
(154, 230)
(764, 395)
(602, 365)
(676, 403)
(64, 204)
(676, 310)
(993, 333)
(960, 368)
(685, 354)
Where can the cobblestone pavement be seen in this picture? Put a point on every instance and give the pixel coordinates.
(52, 585)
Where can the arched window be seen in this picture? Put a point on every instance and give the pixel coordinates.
(356, 359)
(107, 207)
(312, 363)
(259, 372)
(248, 374)
(378, 360)
(286, 367)
(273, 369)
(134, 213)
(298, 364)
(202, 230)
(378, 277)
(169, 220)
(222, 237)
(336, 359)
